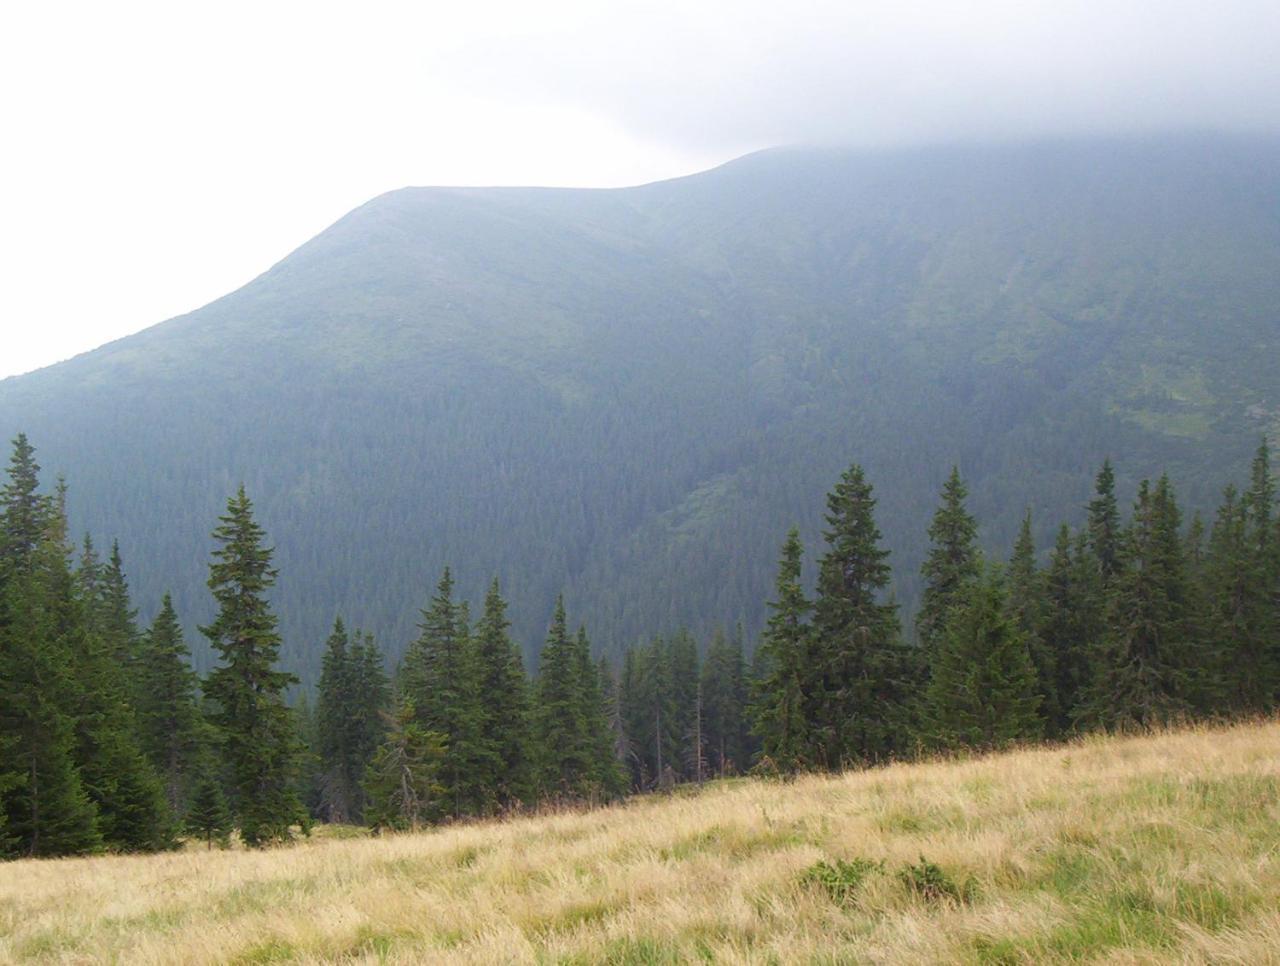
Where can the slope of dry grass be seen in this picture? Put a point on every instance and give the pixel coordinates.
(1151, 849)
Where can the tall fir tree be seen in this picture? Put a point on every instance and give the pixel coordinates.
(1144, 671)
(172, 730)
(951, 565)
(1071, 618)
(1104, 528)
(1025, 596)
(371, 704)
(859, 670)
(565, 760)
(1262, 531)
(440, 679)
(604, 779)
(779, 709)
(402, 783)
(133, 814)
(47, 809)
(257, 732)
(340, 769)
(682, 677)
(982, 693)
(504, 718)
(208, 816)
(724, 698)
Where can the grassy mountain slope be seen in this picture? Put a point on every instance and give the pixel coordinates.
(1148, 849)
(631, 394)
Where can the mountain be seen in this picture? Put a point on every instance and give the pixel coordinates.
(629, 395)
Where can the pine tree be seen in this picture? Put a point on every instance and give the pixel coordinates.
(208, 816)
(724, 701)
(171, 729)
(604, 778)
(559, 724)
(1104, 524)
(132, 812)
(256, 729)
(47, 810)
(858, 669)
(505, 716)
(368, 723)
(1262, 560)
(682, 671)
(440, 680)
(1025, 586)
(952, 563)
(779, 706)
(617, 739)
(1143, 669)
(647, 712)
(118, 622)
(402, 783)
(982, 693)
(340, 769)
(1071, 622)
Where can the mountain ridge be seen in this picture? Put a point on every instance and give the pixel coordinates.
(628, 394)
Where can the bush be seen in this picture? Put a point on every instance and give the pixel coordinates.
(930, 882)
(841, 880)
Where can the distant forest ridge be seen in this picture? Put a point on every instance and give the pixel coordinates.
(111, 741)
(627, 396)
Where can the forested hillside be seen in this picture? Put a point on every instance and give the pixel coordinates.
(631, 395)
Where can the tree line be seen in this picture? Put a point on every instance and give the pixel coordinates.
(109, 740)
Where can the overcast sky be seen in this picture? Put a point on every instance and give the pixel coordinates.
(156, 155)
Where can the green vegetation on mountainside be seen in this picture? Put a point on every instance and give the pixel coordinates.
(630, 395)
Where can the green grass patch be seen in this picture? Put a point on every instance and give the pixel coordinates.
(931, 883)
(842, 879)
(273, 950)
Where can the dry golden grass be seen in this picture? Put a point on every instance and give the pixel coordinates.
(1149, 849)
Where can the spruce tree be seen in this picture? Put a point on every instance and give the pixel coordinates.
(440, 680)
(1262, 560)
(560, 726)
(47, 810)
(724, 701)
(118, 622)
(340, 769)
(257, 733)
(208, 816)
(402, 783)
(604, 778)
(858, 671)
(779, 707)
(1071, 619)
(682, 671)
(372, 701)
(1144, 671)
(170, 726)
(952, 563)
(505, 716)
(1104, 524)
(1025, 587)
(982, 693)
(132, 812)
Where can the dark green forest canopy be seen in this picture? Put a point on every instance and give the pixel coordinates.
(629, 395)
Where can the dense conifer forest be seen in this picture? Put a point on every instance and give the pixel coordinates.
(110, 741)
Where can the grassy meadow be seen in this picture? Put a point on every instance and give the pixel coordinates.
(1161, 848)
